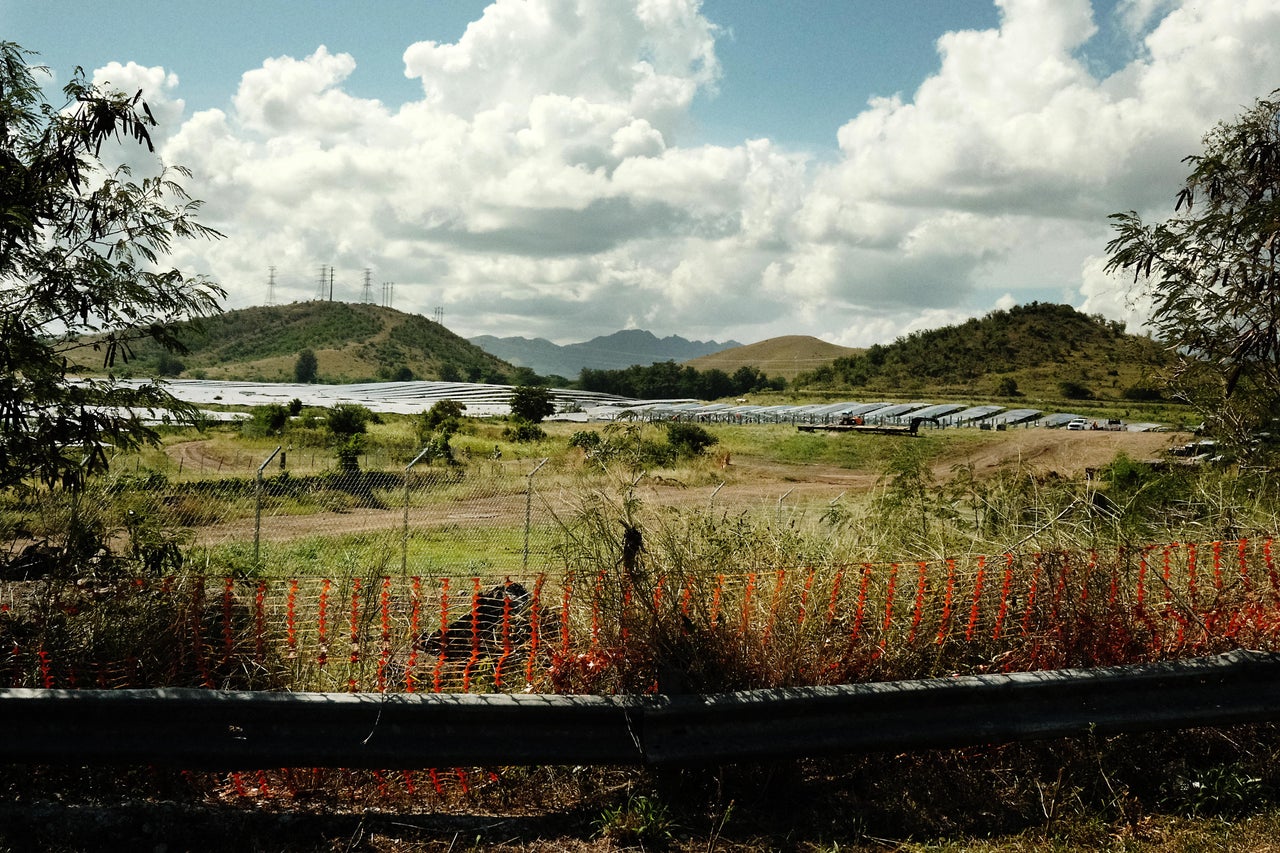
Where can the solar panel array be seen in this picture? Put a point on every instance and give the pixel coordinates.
(494, 400)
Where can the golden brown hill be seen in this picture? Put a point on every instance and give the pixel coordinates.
(785, 356)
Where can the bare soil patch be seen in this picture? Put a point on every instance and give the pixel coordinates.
(748, 482)
(1038, 451)
(1068, 453)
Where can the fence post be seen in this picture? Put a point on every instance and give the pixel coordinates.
(780, 500)
(711, 501)
(257, 510)
(404, 541)
(631, 490)
(528, 513)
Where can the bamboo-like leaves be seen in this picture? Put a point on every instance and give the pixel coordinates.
(1213, 276)
(80, 254)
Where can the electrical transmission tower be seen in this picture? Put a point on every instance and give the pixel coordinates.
(366, 293)
(271, 285)
(324, 274)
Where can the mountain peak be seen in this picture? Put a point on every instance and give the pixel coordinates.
(615, 351)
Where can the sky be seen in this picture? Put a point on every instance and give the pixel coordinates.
(853, 170)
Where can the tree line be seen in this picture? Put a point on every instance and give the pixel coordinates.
(668, 380)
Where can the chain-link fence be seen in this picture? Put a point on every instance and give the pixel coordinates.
(283, 514)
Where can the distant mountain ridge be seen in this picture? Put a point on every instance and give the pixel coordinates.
(608, 352)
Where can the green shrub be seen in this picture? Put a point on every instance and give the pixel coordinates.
(1142, 394)
(585, 440)
(348, 451)
(1073, 390)
(445, 416)
(1007, 386)
(523, 432)
(270, 419)
(168, 365)
(636, 821)
(349, 419)
(689, 440)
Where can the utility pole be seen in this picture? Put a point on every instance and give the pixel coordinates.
(330, 283)
(439, 315)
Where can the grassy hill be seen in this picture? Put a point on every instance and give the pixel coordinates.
(786, 356)
(1040, 350)
(352, 343)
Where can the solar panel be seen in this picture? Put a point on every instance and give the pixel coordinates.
(1058, 419)
(974, 413)
(1015, 416)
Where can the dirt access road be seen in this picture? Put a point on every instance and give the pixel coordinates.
(748, 482)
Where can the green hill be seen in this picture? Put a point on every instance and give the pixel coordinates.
(352, 343)
(784, 356)
(1041, 350)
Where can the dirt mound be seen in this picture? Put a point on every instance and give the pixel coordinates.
(1068, 453)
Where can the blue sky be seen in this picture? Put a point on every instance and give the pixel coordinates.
(850, 169)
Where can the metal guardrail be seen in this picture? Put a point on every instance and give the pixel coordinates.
(209, 729)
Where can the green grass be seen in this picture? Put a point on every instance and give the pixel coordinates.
(446, 551)
(783, 443)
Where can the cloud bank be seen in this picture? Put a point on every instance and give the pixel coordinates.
(547, 181)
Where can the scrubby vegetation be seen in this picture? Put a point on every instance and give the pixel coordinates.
(1039, 347)
(347, 343)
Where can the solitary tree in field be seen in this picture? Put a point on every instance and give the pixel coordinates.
(1213, 272)
(348, 423)
(306, 368)
(532, 403)
(80, 255)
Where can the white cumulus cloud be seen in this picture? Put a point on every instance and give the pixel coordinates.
(546, 182)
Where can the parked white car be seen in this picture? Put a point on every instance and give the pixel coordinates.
(1078, 423)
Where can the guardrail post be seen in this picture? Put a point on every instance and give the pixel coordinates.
(257, 510)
